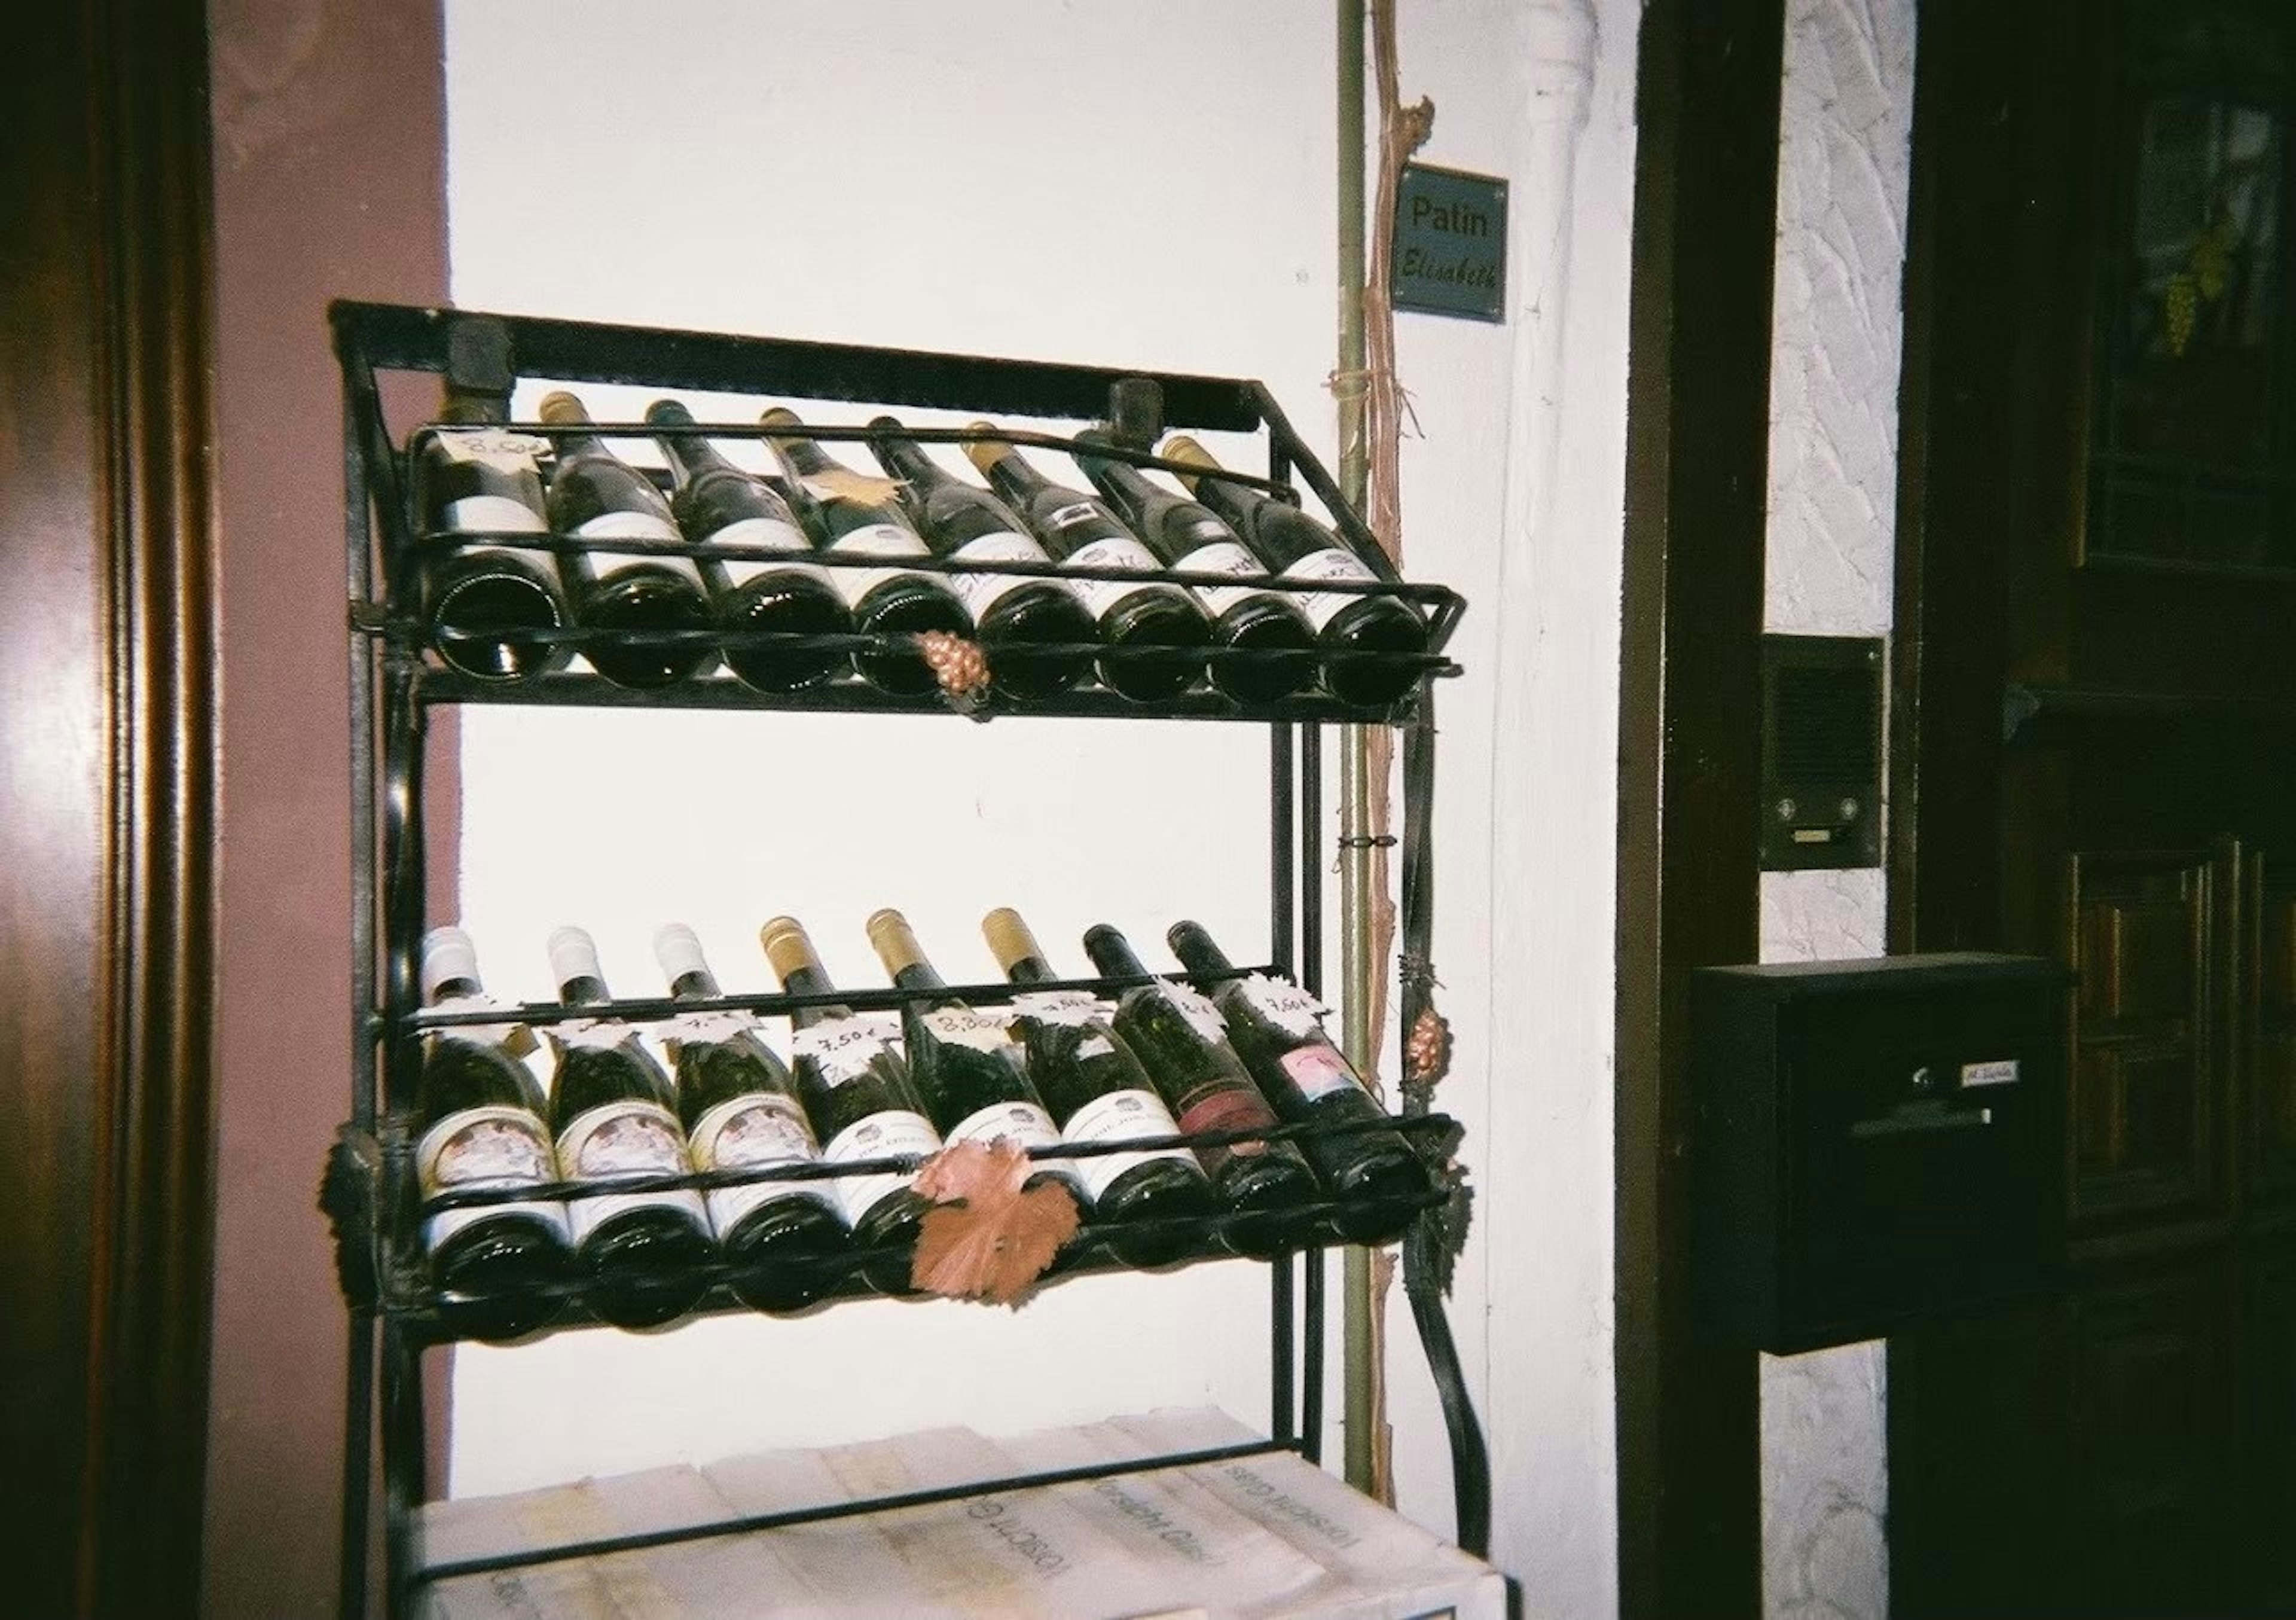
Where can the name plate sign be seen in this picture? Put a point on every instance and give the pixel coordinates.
(1450, 245)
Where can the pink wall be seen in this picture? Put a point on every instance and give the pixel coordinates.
(330, 181)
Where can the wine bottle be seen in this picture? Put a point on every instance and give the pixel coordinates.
(856, 1093)
(740, 1112)
(1155, 633)
(1365, 638)
(717, 503)
(483, 597)
(638, 597)
(479, 1115)
(1179, 1040)
(1097, 1092)
(959, 520)
(610, 1107)
(1276, 1029)
(965, 1064)
(891, 601)
(1185, 534)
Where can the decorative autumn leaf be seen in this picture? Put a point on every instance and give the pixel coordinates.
(845, 482)
(989, 1235)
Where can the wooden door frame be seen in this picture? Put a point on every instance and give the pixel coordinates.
(108, 737)
(1689, 706)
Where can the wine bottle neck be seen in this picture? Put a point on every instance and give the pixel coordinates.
(811, 982)
(696, 985)
(1028, 970)
(455, 989)
(1012, 477)
(691, 458)
(905, 459)
(1112, 952)
(1118, 480)
(799, 455)
(582, 990)
(1197, 953)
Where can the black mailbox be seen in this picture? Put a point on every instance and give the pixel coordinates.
(1877, 1142)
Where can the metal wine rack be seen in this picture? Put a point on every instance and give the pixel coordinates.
(396, 679)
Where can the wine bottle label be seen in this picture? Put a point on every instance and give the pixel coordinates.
(981, 592)
(766, 534)
(873, 540)
(756, 1131)
(890, 1133)
(635, 526)
(1318, 1070)
(841, 1048)
(1022, 1124)
(961, 1026)
(512, 452)
(515, 1039)
(704, 1029)
(1112, 551)
(495, 513)
(591, 1035)
(1332, 563)
(615, 1141)
(489, 1148)
(1284, 1004)
(1202, 1016)
(1120, 1116)
(1069, 1009)
(1222, 557)
(1226, 1105)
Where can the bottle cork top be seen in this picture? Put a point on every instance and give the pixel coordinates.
(896, 941)
(1179, 447)
(573, 954)
(788, 948)
(672, 411)
(448, 955)
(679, 949)
(779, 415)
(1009, 939)
(984, 453)
(563, 410)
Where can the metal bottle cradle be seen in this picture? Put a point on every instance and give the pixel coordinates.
(395, 682)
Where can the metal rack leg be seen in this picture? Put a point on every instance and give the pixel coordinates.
(403, 1464)
(358, 1465)
(1283, 1407)
(1311, 1361)
(1471, 1469)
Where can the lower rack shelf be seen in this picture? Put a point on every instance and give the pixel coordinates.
(384, 1266)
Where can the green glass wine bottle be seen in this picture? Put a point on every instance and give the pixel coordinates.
(1276, 1028)
(1368, 640)
(740, 1112)
(1186, 534)
(1096, 1092)
(965, 1064)
(1179, 1040)
(1020, 617)
(891, 601)
(483, 598)
(478, 1120)
(856, 1093)
(1155, 633)
(718, 505)
(610, 1107)
(639, 597)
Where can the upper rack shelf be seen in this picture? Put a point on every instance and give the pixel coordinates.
(482, 357)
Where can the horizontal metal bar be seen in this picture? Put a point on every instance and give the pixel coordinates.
(403, 338)
(873, 999)
(568, 689)
(640, 1540)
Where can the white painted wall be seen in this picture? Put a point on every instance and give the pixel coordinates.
(1092, 181)
(1843, 164)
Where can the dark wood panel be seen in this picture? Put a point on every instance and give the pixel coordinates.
(2144, 1076)
(2267, 1375)
(1698, 424)
(107, 788)
(2268, 1064)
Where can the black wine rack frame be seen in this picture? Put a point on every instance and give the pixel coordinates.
(396, 679)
